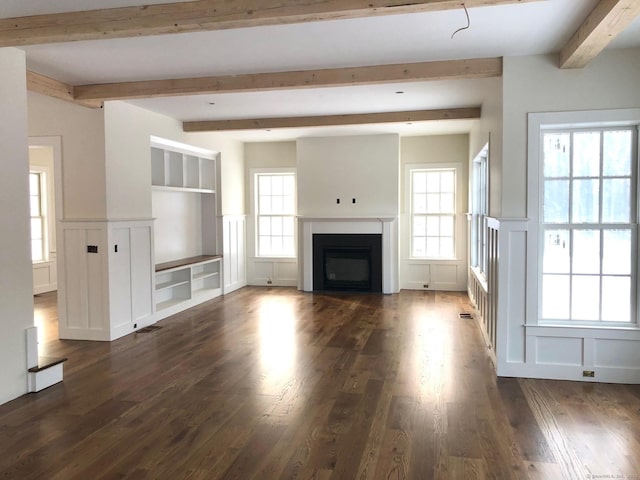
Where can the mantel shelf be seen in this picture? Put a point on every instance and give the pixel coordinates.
(361, 218)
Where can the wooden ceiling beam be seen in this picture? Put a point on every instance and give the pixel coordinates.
(259, 82)
(56, 89)
(604, 23)
(204, 15)
(333, 120)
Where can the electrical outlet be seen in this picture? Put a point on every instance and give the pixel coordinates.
(92, 249)
(588, 373)
(269, 281)
(426, 285)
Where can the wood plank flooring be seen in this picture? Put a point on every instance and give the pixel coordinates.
(272, 383)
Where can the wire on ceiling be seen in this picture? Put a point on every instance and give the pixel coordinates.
(468, 21)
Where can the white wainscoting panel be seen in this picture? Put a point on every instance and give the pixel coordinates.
(436, 275)
(525, 348)
(559, 351)
(617, 353)
(233, 254)
(277, 272)
(45, 276)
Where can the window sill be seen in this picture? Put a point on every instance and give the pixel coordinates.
(616, 326)
(41, 262)
(480, 277)
(432, 259)
(601, 332)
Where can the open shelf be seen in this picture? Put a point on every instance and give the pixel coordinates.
(170, 284)
(179, 282)
(175, 170)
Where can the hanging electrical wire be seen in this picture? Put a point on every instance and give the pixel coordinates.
(468, 21)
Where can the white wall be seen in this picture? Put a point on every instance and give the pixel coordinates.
(437, 274)
(535, 84)
(489, 129)
(177, 225)
(83, 157)
(267, 271)
(16, 301)
(365, 167)
(127, 162)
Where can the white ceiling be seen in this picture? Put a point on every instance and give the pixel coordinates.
(525, 29)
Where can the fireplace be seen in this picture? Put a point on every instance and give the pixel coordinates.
(347, 262)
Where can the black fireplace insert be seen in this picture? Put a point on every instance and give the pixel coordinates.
(347, 262)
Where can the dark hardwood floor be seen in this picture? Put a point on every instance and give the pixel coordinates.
(271, 383)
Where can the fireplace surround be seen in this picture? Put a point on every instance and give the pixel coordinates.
(386, 227)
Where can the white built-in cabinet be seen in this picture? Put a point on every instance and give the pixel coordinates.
(186, 283)
(188, 260)
(105, 278)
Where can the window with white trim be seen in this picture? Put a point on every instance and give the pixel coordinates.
(479, 210)
(588, 237)
(275, 207)
(37, 202)
(433, 212)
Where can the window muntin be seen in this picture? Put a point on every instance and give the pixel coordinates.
(588, 229)
(38, 217)
(275, 214)
(433, 209)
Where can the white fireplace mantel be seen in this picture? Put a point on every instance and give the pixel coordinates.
(385, 225)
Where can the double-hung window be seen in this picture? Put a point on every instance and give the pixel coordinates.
(479, 210)
(588, 236)
(275, 207)
(38, 216)
(433, 212)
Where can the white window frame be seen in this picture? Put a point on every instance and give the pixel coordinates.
(538, 124)
(479, 200)
(254, 173)
(410, 169)
(43, 198)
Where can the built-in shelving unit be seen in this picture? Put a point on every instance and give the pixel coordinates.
(176, 170)
(186, 282)
(188, 267)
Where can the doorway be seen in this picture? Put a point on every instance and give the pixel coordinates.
(45, 201)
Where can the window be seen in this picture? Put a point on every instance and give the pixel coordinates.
(275, 206)
(588, 225)
(38, 216)
(479, 210)
(433, 209)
